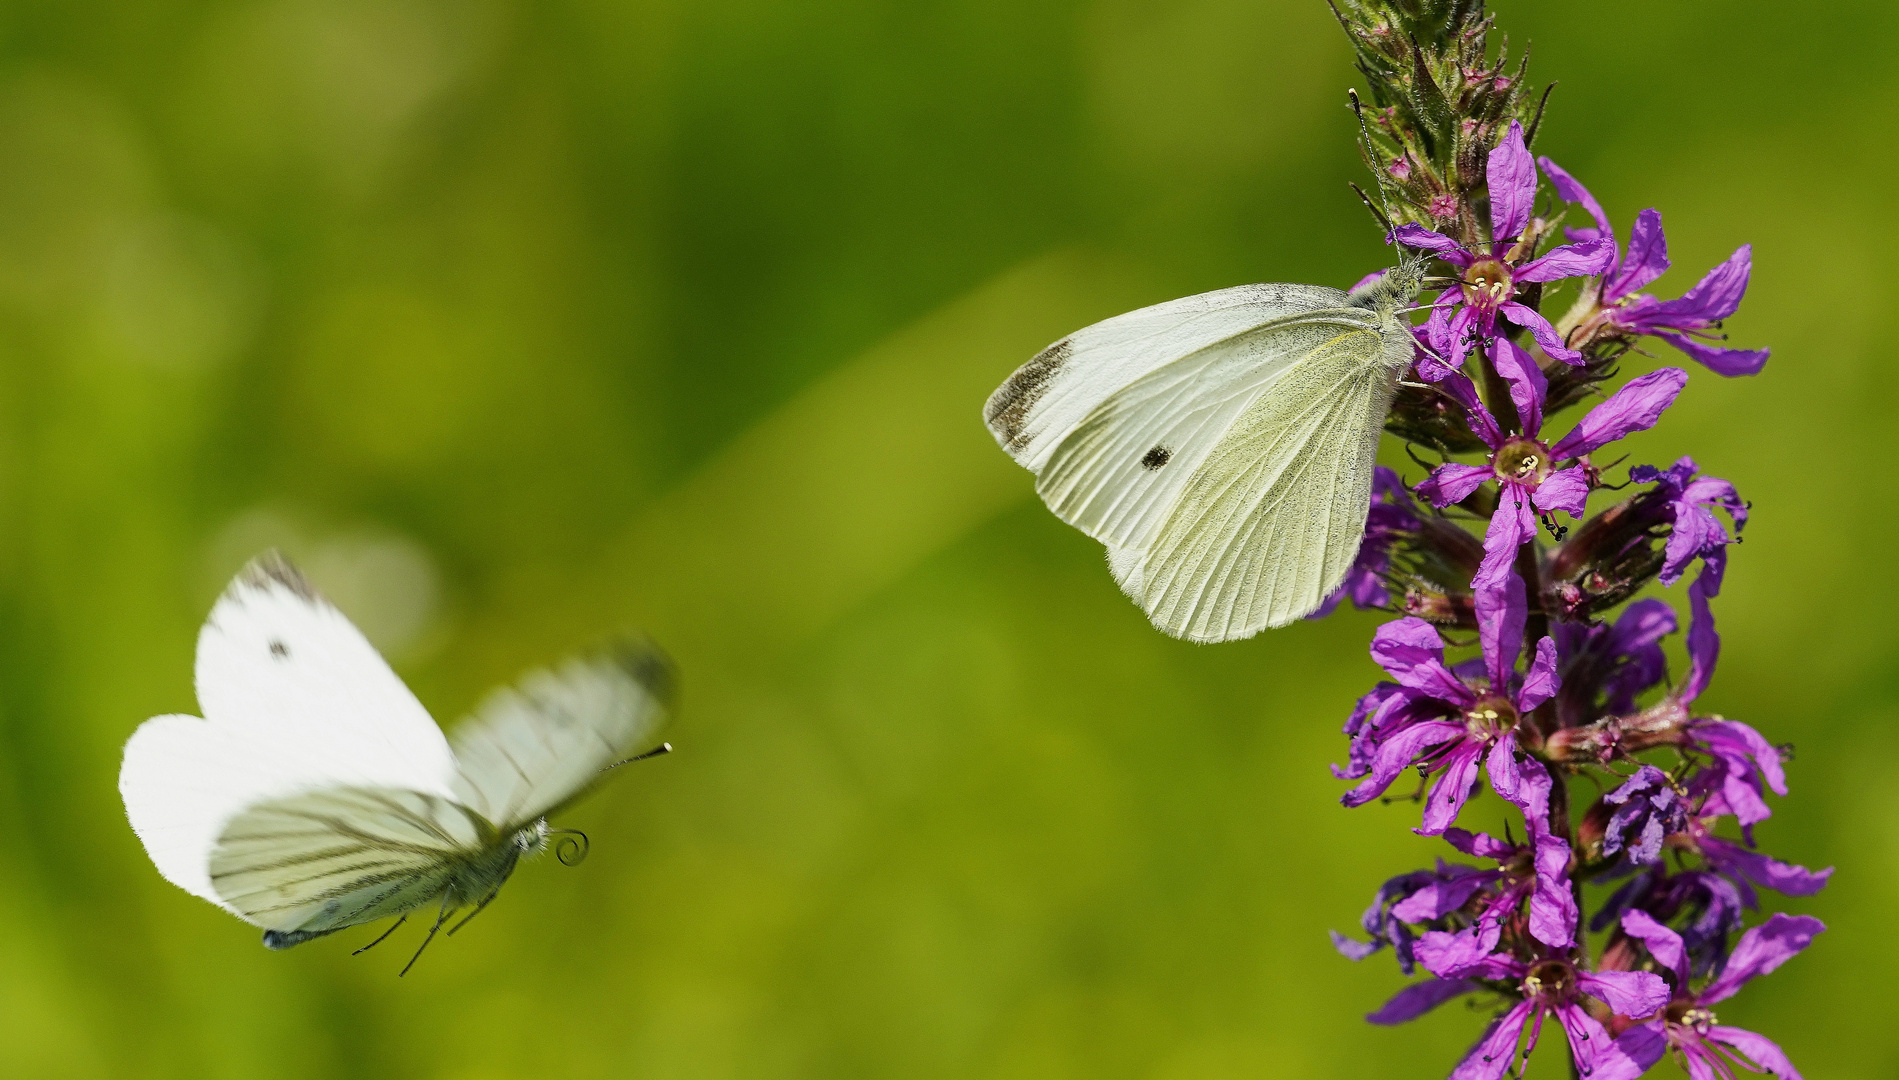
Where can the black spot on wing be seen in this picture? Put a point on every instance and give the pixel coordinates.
(1155, 458)
(1008, 408)
(279, 650)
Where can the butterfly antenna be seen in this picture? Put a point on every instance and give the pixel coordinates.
(571, 851)
(492, 893)
(384, 934)
(662, 748)
(1371, 159)
(448, 895)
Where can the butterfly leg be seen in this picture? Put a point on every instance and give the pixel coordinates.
(448, 907)
(384, 934)
(484, 903)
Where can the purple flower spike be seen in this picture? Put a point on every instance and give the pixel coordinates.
(1688, 1027)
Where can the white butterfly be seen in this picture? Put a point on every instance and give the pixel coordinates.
(316, 793)
(1221, 446)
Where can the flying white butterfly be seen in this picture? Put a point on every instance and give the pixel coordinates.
(316, 793)
(1221, 446)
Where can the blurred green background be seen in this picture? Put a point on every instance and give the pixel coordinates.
(517, 323)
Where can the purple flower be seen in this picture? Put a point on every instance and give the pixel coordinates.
(1688, 1025)
(1490, 281)
(1524, 466)
(1554, 987)
(1393, 514)
(1645, 810)
(1537, 872)
(1604, 666)
(1687, 502)
(1384, 923)
(1706, 906)
(1624, 311)
(1443, 725)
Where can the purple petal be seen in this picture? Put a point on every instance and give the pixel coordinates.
(1721, 735)
(1452, 790)
(1452, 955)
(1634, 1052)
(1663, 944)
(1553, 912)
(1411, 650)
(1351, 948)
(1420, 998)
(1784, 878)
(1586, 259)
(1571, 191)
(1720, 360)
(1647, 258)
(1714, 297)
(1635, 407)
(1417, 236)
(1452, 482)
(1482, 424)
(1587, 1039)
(1440, 898)
(1367, 280)
(1513, 522)
(1760, 951)
(1395, 755)
(1461, 333)
(1540, 682)
(1762, 1051)
(1543, 332)
(1501, 766)
(1528, 387)
(1502, 612)
(1634, 994)
(1704, 644)
(1511, 177)
(1496, 1049)
(1566, 490)
(1481, 845)
(1533, 796)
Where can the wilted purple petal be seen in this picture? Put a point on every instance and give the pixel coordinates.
(1511, 177)
(1395, 755)
(1452, 789)
(1352, 948)
(1759, 1049)
(1716, 358)
(1540, 682)
(1647, 258)
(1663, 944)
(1635, 407)
(1420, 998)
(1760, 951)
(1587, 259)
(1715, 297)
(1566, 490)
(1417, 236)
(1634, 994)
(1528, 387)
(1542, 331)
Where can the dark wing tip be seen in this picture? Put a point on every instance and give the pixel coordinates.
(272, 570)
(1007, 410)
(648, 665)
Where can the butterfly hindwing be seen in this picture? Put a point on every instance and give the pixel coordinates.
(320, 861)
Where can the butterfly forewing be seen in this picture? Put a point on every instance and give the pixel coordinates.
(324, 860)
(534, 747)
(1272, 520)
